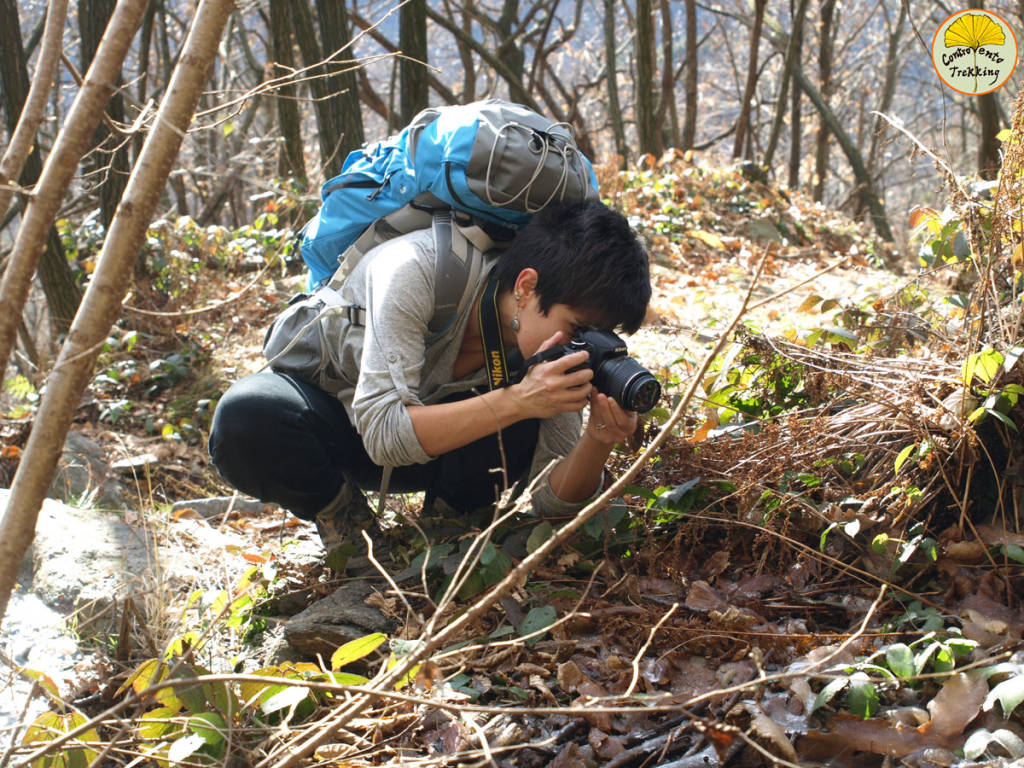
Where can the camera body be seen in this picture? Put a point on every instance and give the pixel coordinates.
(616, 374)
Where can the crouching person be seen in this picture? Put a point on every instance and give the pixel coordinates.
(365, 394)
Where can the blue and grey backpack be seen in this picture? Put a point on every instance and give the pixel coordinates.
(474, 173)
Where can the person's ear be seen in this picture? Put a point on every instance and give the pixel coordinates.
(526, 282)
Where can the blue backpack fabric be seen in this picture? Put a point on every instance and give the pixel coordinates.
(495, 161)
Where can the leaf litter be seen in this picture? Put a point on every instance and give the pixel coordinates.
(823, 566)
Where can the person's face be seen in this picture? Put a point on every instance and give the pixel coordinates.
(536, 327)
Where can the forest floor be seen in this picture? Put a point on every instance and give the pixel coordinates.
(801, 574)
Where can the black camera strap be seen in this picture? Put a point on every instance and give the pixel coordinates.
(495, 361)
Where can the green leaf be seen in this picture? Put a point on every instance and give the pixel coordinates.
(184, 747)
(538, 619)
(210, 726)
(880, 544)
(863, 698)
(903, 456)
(152, 727)
(539, 535)
(1009, 694)
(357, 649)
(289, 697)
(900, 660)
(489, 553)
(345, 678)
(826, 694)
(824, 537)
(1014, 552)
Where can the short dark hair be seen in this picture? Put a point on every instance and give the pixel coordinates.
(587, 256)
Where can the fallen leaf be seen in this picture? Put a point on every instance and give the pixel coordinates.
(956, 704)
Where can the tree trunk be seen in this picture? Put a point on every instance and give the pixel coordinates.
(110, 155)
(888, 91)
(791, 60)
(647, 128)
(62, 294)
(102, 301)
(667, 103)
(515, 83)
(291, 159)
(342, 86)
(412, 26)
(328, 132)
(60, 167)
(144, 64)
(614, 108)
(743, 123)
(825, 84)
(24, 133)
(690, 117)
(509, 50)
(796, 128)
(860, 171)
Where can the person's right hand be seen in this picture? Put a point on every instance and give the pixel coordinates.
(547, 389)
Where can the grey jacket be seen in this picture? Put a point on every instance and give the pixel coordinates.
(378, 369)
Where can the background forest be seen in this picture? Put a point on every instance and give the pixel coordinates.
(814, 554)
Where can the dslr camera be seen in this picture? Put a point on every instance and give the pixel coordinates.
(616, 374)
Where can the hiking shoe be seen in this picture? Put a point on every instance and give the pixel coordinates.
(340, 524)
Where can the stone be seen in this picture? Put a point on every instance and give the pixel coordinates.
(335, 620)
(762, 231)
(85, 561)
(84, 477)
(218, 506)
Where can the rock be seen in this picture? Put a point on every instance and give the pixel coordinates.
(762, 231)
(85, 561)
(335, 620)
(83, 476)
(217, 506)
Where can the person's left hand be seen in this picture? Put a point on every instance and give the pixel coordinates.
(609, 422)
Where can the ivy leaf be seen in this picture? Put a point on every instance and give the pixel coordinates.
(539, 535)
(900, 659)
(1009, 693)
(826, 694)
(538, 619)
(289, 697)
(184, 747)
(863, 697)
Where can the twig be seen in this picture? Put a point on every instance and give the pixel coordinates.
(643, 649)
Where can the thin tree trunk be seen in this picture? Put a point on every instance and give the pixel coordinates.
(690, 117)
(412, 35)
(62, 293)
(102, 301)
(647, 128)
(743, 123)
(791, 60)
(825, 85)
(110, 157)
(71, 143)
(667, 104)
(342, 86)
(328, 132)
(795, 122)
(614, 108)
(860, 171)
(888, 91)
(32, 112)
(290, 159)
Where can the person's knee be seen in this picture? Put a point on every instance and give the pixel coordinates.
(243, 429)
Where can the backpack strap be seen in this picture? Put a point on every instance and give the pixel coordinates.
(456, 270)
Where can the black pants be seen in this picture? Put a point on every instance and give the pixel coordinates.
(290, 443)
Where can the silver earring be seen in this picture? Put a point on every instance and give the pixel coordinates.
(515, 320)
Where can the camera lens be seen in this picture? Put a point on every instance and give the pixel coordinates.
(632, 385)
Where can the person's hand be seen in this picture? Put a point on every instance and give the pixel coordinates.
(548, 389)
(609, 422)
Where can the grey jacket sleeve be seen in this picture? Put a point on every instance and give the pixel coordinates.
(399, 303)
(557, 437)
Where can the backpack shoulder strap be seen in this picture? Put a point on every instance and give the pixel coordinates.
(456, 271)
